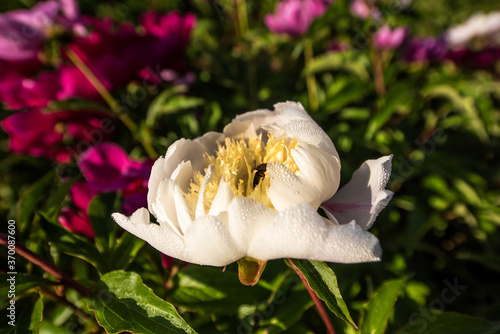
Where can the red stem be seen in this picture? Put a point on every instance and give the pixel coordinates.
(47, 266)
(315, 298)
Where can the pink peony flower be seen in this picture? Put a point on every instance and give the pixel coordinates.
(24, 30)
(76, 219)
(106, 168)
(41, 134)
(364, 9)
(293, 17)
(118, 55)
(388, 39)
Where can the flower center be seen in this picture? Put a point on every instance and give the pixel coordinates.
(242, 165)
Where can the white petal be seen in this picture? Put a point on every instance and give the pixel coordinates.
(310, 132)
(182, 150)
(364, 196)
(319, 170)
(183, 174)
(300, 232)
(209, 242)
(246, 219)
(200, 205)
(263, 120)
(163, 207)
(163, 238)
(222, 199)
(287, 189)
(183, 216)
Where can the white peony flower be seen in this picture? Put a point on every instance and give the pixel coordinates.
(477, 26)
(215, 203)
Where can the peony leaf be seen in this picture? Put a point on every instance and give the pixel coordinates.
(381, 306)
(209, 290)
(100, 209)
(289, 312)
(167, 102)
(7, 113)
(33, 195)
(55, 201)
(25, 317)
(323, 281)
(126, 304)
(72, 243)
(450, 323)
(24, 283)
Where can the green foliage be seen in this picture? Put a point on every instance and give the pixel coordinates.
(126, 304)
(323, 281)
(440, 120)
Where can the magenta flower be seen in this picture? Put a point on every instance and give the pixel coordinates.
(388, 39)
(106, 168)
(425, 49)
(118, 55)
(485, 58)
(24, 30)
(40, 134)
(364, 9)
(76, 219)
(293, 17)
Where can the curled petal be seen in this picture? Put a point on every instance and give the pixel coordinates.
(320, 170)
(317, 180)
(300, 232)
(364, 196)
(163, 238)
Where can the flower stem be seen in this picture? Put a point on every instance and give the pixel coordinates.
(47, 266)
(378, 71)
(241, 8)
(108, 98)
(319, 305)
(311, 79)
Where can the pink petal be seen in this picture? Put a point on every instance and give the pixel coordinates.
(103, 167)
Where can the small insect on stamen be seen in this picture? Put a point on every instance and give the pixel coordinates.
(260, 174)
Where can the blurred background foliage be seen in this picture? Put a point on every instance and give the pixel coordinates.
(439, 119)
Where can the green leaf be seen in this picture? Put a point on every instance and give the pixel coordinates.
(55, 202)
(466, 104)
(28, 202)
(450, 323)
(399, 98)
(74, 104)
(125, 250)
(381, 305)
(7, 113)
(99, 211)
(126, 304)
(209, 290)
(71, 243)
(36, 315)
(323, 281)
(24, 282)
(25, 316)
(350, 61)
(289, 312)
(167, 102)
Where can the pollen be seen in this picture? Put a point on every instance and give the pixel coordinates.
(235, 161)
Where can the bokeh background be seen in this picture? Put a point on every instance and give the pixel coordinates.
(92, 95)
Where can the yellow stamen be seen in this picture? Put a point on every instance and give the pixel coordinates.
(236, 162)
